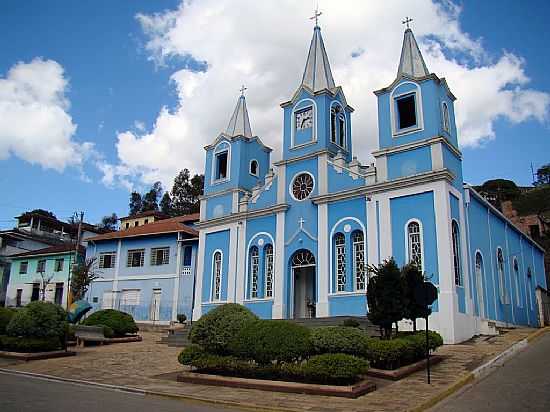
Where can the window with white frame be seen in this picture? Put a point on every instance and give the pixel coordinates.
(221, 164)
(268, 254)
(359, 259)
(516, 280)
(406, 111)
(500, 270)
(445, 115)
(254, 271)
(136, 258)
(23, 268)
(254, 167)
(414, 244)
(340, 249)
(58, 266)
(337, 126)
(456, 253)
(217, 274)
(160, 256)
(107, 260)
(130, 297)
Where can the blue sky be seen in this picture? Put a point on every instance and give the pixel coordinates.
(116, 78)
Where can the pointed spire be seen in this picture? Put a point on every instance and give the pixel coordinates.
(317, 74)
(239, 125)
(411, 63)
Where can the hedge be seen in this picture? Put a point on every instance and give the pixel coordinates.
(339, 339)
(120, 323)
(217, 329)
(335, 368)
(266, 341)
(29, 344)
(5, 316)
(39, 320)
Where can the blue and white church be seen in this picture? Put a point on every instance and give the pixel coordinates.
(293, 239)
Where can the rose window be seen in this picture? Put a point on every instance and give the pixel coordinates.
(302, 186)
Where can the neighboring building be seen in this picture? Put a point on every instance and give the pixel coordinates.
(295, 242)
(532, 225)
(146, 270)
(42, 273)
(141, 219)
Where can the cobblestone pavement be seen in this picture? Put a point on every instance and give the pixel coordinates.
(139, 364)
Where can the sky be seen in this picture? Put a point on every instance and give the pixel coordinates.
(101, 98)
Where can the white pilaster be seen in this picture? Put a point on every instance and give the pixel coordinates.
(202, 212)
(199, 276)
(175, 297)
(117, 269)
(386, 247)
(322, 308)
(372, 233)
(437, 156)
(278, 304)
(241, 263)
(381, 168)
(232, 275)
(281, 184)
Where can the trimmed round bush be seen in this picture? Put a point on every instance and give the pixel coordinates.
(190, 354)
(29, 344)
(215, 330)
(334, 368)
(39, 320)
(266, 341)
(339, 339)
(5, 316)
(120, 323)
(419, 340)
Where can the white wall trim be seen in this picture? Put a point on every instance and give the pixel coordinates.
(199, 276)
(280, 272)
(213, 180)
(419, 110)
(212, 298)
(247, 267)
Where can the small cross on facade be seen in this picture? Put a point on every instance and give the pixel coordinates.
(407, 21)
(242, 89)
(301, 221)
(316, 16)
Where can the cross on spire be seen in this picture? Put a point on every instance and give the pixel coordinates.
(407, 21)
(242, 89)
(316, 16)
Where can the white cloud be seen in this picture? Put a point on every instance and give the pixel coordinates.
(34, 121)
(264, 45)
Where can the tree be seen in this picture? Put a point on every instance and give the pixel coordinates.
(186, 192)
(45, 280)
(83, 275)
(411, 278)
(543, 176)
(151, 198)
(136, 203)
(385, 296)
(502, 189)
(43, 212)
(166, 204)
(109, 222)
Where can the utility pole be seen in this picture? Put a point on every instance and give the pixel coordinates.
(76, 251)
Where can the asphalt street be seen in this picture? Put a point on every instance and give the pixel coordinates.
(18, 393)
(521, 384)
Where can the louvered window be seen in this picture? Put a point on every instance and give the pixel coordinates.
(160, 256)
(136, 258)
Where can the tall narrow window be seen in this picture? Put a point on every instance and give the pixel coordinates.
(221, 165)
(479, 285)
(268, 250)
(359, 260)
(333, 112)
(340, 244)
(341, 130)
(254, 271)
(406, 111)
(516, 279)
(41, 266)
(445, 114)
(530, 288)
(414, 244)
(500, 269)
(456, 253)
(254, 168)
(217, 273)
(23, 267)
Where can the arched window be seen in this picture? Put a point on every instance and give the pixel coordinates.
(516, 280)
(337, 126)
(530, 288)
(254, 168)
(456, 253)
(302, 258)
(268, 253)
(414, 244)
(479, 284)
(500, 270)
(254, 271)
(359, 259)
(445, 114)
(217, 274)
(340, 246)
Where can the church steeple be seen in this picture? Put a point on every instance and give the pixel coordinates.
(239, 124)
(412, 63)
(317, 75)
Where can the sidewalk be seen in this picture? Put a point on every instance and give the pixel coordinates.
(138, 365)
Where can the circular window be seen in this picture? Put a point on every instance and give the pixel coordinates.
(302, 186)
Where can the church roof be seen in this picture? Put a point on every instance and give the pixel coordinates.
(411, 63)
(317, 74)
(239, 124)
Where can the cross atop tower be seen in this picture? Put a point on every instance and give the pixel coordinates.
(242, 90)
(316, 16)
(407, 21)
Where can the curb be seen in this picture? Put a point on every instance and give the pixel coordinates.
(481, 371)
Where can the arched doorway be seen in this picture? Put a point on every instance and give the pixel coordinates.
(302, 266)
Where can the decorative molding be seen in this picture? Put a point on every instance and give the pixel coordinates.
(414, 145)
(235, 217)
(300, 158)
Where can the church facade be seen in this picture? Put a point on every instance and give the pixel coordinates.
(293, 239)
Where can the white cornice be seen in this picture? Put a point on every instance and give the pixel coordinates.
(300, 158)
(234, 217)
(414, 145)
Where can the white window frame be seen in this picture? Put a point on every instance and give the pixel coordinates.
(445, 117)
(340, 261)
(129, 260)
(257, 168)
(102, 256)
(355, 244)
(480, 275)
(501, 274)
(216, 295)
(215, 152)
(130, 297)
(269, 269)
(293, 123)
(407, 242)
(254, 271)
(165, 256)
(56, 264)
(455, 248)
(292, 183)
(343, 112)
(515, 268)
(396, 131)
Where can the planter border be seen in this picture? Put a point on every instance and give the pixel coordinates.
(26, 356)
(109, 341)
(404, 371)
(350, 391)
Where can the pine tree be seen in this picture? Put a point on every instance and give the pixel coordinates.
(186, 192)
(166, 204)
(412, 277)
(151, 198)
(109, 222)
(136, 203)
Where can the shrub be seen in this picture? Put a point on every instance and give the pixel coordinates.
(216, 329)
(191, 354)
(339, 339)
(266, 341)
(29, 344)
(5, 316)
(419, 338)
(39, 320)
(334, 368)
(351, 323)
(391, 354)
(182, 317)
(121, 323)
